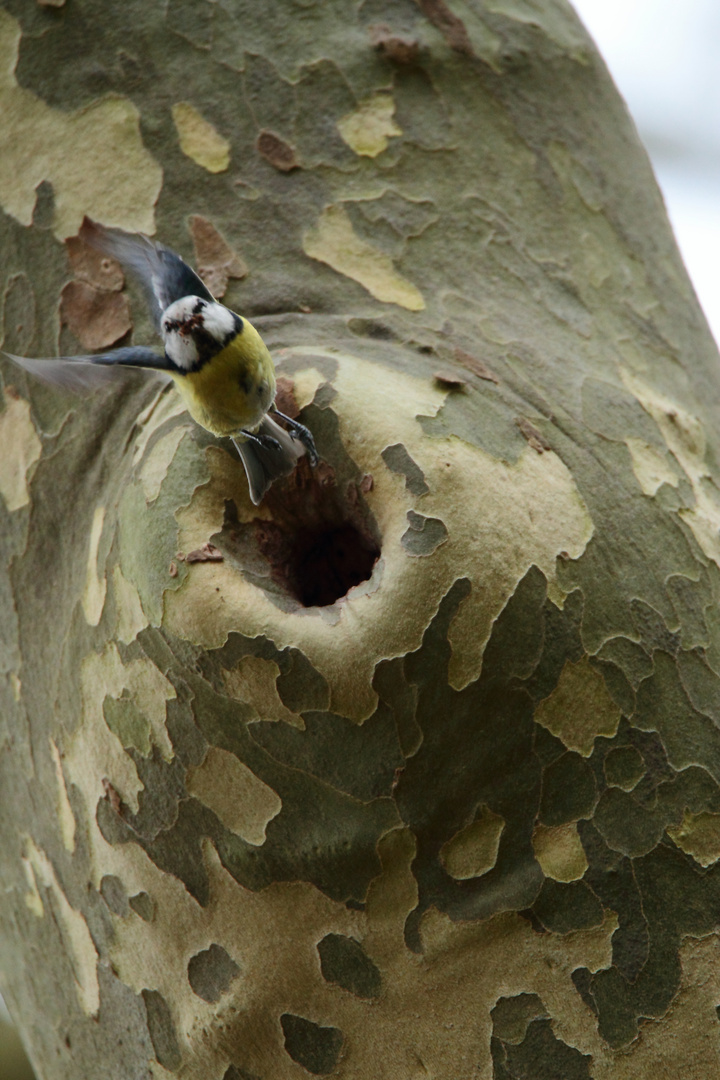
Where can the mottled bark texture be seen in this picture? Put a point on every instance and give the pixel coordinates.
(462, 821)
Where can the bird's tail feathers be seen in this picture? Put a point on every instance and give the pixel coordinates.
(265, 462)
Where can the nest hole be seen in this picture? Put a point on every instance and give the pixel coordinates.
(322, 539)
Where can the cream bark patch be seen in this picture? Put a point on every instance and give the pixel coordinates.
(367, 129)
(474, 850)
(21, 446)
(699, 836)
(93, 599)
(94, 754)
(130, 615)
(560, 852)
(500, 519)
(94, 157)
(652, 469)
(335, 242)
(66, 818)
(79, 945)
(579, 708)
(244, 804)
(686, 440)
(157, 462)
(199, 139)
(254, 682)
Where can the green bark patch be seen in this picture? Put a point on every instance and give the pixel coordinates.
(211, 972)
(344, 961)
(399, 461)
(313, 1046)
(162, 1030)
(424, 534)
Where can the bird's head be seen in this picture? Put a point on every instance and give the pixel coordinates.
(194, 330)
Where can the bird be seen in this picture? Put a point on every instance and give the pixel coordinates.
(219, 363)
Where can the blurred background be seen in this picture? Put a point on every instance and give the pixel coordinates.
(663, 57)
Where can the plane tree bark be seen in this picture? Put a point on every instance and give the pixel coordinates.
(413, 770)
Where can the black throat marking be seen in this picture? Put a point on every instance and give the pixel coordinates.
(206, 344)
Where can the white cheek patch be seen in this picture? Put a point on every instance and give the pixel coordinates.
(182, 350)
(215, 321)
(218, 321)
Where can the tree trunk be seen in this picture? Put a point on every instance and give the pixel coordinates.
(416, 775)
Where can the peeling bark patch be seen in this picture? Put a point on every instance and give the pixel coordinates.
(344, 961)
(199, 140)
(399, 461)
(105, 140)
(162, 1030)
(367, 129)
(21, 450)
(97, 319)
(450, 26)
(335, 242)
(424, 535)
(207, 553)
(394, 47)
(535, 438)
(311, 1045)
(92, 267)
(279, 153)
(476, 366)
(450, 379)
(216, 261)
(211, 972)
(580, 708)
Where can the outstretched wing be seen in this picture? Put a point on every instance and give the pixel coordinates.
(164, 276)
(82, 373)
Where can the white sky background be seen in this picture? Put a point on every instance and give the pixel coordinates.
(663, 56)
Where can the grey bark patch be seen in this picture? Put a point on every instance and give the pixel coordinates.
(399, 461)
(113, 893)
(143, 905)
(236, 1073)
(210, 973)
(424, 535)
(162, 1030)
(126, 721)
(512, 1015)
(344, 961)
(314, 1047)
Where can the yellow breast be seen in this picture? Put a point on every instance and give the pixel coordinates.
(234, 389)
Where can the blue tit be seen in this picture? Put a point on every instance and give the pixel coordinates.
(219, 363)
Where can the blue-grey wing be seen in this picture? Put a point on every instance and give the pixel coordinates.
(82, 373)
(164, 276)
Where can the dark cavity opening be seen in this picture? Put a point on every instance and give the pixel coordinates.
(321, 542)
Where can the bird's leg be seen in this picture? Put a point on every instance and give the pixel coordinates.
(265, 441)
(300, 432)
